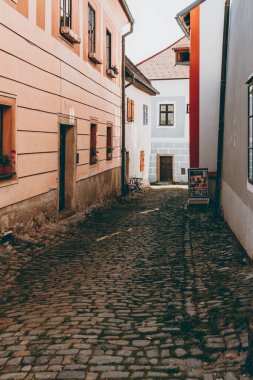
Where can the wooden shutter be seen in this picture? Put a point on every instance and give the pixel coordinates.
(128, 109)
(132, 110)
(142, 159)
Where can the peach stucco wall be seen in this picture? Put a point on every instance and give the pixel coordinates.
(47, 77)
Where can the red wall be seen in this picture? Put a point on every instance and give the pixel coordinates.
(194, 89)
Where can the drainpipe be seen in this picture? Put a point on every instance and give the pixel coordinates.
(123, 152)
(222, 105)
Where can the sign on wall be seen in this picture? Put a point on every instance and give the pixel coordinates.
(198, 184)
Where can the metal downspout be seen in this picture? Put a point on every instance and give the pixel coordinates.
(123, 143)
(222, 105)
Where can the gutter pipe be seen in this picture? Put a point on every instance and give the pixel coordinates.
(222, 105)
(123, 83)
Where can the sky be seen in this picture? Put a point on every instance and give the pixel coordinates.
(155, 26)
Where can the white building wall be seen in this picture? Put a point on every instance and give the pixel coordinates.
(172, 141)
(138, 135)
(211, 38)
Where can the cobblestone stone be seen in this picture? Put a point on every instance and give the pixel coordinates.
(121, 293)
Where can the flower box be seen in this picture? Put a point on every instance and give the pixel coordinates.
(70, 35)
(95, 59)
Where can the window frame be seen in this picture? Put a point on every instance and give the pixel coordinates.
(109, 142)
(250, 133)
(91, 29)
(145, 114)
(108, 49)
(167, 112)
(180, 55)
(63, 8)
(93, 143)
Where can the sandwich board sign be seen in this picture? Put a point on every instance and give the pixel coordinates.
(198, 187)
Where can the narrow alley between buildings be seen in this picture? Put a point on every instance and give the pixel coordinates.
(141, 289)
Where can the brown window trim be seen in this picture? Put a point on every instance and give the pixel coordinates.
(7, 139)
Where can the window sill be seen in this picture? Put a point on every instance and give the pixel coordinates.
(95, 59)
(8, 179)
(93, 161)
(4, 176)
(70, 35)
(166, 125)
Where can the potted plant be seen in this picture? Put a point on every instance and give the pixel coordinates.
(93, 155)
(113, 71)
(109, 152)
(7, 163)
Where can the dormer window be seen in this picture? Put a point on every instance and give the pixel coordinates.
(182, 56)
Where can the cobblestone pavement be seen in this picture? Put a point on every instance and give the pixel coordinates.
(142, 290)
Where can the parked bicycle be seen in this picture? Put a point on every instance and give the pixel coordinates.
(135, 184)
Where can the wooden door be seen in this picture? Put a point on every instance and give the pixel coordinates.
(62, 168)
(166, 169)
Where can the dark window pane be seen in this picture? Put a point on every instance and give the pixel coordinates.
(251, 164)
(108, 49)
(1, 129)
(250, 132)
(91, 30)
(251, 100)
(65, 13)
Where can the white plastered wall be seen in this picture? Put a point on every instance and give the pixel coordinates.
(138, 135)
(211, 38)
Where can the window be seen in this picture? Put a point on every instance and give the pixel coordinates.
(188, 108)
(91, 30)
(65, 12)
(109, 147)
(130, 110)
(108, 49)
(167, 114)
(142, 161)
(182, 57)
(7, 138)
(1, 129)
(93, 144)
(145, 114)
(250, 134)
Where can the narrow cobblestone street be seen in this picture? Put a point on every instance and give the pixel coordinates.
(143, 290)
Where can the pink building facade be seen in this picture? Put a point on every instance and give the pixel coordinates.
(60, 106)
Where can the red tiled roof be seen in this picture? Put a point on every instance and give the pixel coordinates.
(162, 65)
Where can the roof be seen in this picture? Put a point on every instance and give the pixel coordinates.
(126, 9)
(162, 65)
(183, 17)
(137, 78)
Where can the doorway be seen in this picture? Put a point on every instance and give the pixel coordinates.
(166, 168)
(66, 167)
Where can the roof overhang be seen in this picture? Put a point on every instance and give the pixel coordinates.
(182, 48)
(183, 18)
(126, 10)
(134, 76)
(250, 79)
